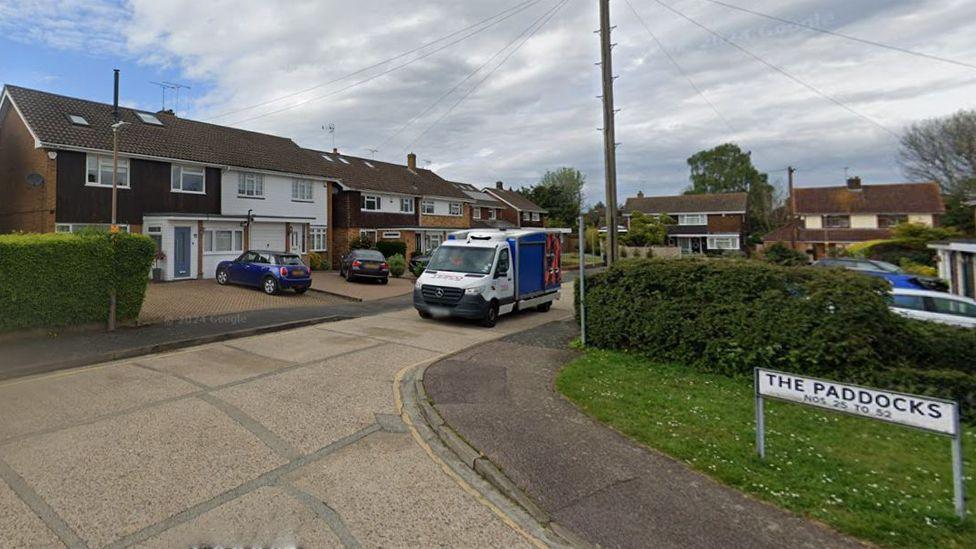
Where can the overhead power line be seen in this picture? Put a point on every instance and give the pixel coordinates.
(487, 22)
(470, 75)
(845, 36)
(552, 13)
(780, 70)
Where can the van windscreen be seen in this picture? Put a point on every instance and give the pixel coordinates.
(462, 260)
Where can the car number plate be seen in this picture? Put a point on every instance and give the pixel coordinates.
(440, 312)
(298, 273)
(372, 265)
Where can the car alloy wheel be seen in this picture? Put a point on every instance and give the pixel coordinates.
(270, 286)
(222, 277)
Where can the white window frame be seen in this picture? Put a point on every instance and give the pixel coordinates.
(368, 233)
(366, 199)
(699, 220)
(455, 206)
(177, 171)
(526, 216)
(407, 205)
(210, 241)
(318, 238)
(107, 162)
(74, 227)
(302, 190)
(730, 242)
(536, 216)
(391, 235)
(297, 239)
(427, 207)
(475, 212)
(492, 213)
(250, 185)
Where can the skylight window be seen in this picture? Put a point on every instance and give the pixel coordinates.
(327, 157)
(78, 120)
(368, 163)
(343, 160)
(149, 118)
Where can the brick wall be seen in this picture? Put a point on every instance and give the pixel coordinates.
(24, 208)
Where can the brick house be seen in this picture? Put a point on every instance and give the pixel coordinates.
(486, 210)
(202, 192)
(518, 210)
(831, 218)
(394, 202)
(703, 223)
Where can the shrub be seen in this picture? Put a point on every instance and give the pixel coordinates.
(418, 270)
(317, 262)
(894, 251)
(390, 248)
(911, 267)
(780, 254)
(361, 243)
(397, 265)
(70, 278)
(623, 252)
(732, 316)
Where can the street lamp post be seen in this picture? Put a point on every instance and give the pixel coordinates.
(115, 210)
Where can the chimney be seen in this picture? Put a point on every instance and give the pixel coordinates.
(640, 194)
(335, 150)
(854, 183)
(412, 162)
(115, 101)
(499, 186)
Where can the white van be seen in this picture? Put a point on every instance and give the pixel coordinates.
(481, 274)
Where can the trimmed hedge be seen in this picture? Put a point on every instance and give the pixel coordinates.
(390, 248)
(732, 316)
(54, 280)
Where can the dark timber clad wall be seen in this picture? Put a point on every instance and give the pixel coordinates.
(150, 193)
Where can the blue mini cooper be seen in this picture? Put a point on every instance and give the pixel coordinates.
(270, 271)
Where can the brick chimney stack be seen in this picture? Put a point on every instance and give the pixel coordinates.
(412, 161)
(499, 185)
(854, 183)
(640, 194)
(335, 150)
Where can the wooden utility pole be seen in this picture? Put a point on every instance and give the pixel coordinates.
(609, 139)
(794, 219)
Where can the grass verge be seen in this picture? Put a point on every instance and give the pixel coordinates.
(884, 483)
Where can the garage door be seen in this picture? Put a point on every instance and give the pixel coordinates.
(268, 236)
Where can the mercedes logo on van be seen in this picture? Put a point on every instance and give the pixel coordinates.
(439, 292)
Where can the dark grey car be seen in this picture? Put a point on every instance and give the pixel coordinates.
(364, 264)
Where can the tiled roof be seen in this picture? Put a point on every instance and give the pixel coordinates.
(178, 138)
(515, 199)
(480, 198)
(687, 203)
(364, 174)
(898, 198)
(785, 234)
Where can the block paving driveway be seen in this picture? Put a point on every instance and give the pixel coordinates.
(286, 439)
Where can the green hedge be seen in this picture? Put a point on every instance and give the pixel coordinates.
(390, 248)
(733, 316)
(54, 280)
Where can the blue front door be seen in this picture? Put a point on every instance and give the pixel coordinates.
(181, 252)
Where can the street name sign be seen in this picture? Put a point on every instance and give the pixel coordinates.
(921, 412)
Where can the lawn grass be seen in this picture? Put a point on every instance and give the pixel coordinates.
(884, 483)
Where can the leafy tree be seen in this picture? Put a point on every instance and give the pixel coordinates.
(561, 193)
(596, 216)
(959, 215)
(728, 169)
(942, 150)
(647, 230)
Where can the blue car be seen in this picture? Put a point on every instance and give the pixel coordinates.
(270, 271)
(895, 276)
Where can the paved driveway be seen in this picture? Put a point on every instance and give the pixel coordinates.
(291, 438)
(360, 290)
(195, 299)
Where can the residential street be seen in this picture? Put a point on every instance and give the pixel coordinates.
(287, 438)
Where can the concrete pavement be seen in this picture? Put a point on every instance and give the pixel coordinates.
(290, 438)
(500, 398)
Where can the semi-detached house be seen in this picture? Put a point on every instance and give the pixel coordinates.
(203, 192)
(703, 223)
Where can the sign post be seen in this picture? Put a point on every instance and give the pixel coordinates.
(925, 413)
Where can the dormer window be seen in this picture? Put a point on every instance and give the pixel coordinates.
(78, 120)
(148, 119)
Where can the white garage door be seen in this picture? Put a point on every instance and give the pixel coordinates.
(268, 236)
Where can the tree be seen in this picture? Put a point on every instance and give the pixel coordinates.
(942, 150)
(729, 169)
(647, 230)
(596, 216)
(560, 192)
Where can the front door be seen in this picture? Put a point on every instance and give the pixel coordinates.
(181, 252)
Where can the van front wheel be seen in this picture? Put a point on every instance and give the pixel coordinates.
(491, 318)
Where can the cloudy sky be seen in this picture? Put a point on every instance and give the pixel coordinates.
(284, 67)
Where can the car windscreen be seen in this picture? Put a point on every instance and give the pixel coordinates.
(289, 260)
(462, 260)
(371, 255)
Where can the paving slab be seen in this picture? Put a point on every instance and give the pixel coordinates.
(19, 526)
(412, 504)
(37, 404)
(302, 345)
(267, 517)
(321, 403)
(113, 477)
(214, 365)
(425, 334)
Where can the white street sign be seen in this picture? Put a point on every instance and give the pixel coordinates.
(926, 413)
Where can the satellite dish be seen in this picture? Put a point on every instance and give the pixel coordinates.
(35, 180)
